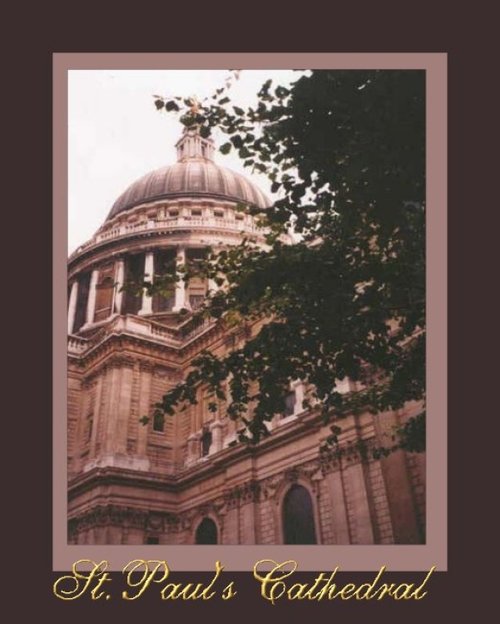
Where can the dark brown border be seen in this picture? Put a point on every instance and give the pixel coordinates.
(27, 441)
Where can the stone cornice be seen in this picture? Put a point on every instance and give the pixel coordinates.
(125, 342)
(346, 453)
(109, 357)
(154, 342)
(175, 518)
(248, 492)
(118, 247)
(124, 516)
(180, 354)
(212, 466)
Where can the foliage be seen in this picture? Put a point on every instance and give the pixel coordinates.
(345, 151)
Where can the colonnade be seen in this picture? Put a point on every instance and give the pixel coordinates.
(181, 299)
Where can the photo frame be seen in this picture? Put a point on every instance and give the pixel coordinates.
(397, 557)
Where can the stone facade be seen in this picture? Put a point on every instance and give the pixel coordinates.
(136, 484)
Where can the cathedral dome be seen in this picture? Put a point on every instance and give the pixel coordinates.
(195, 174)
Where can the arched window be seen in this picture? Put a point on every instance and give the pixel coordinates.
(206, 533)
(298, 517)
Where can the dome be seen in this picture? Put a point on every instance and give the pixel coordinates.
(194, 174)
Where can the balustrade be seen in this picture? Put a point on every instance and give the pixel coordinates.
(180, 221)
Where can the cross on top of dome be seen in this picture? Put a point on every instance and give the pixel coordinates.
(192, 145)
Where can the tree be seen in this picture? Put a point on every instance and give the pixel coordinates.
(345, 151)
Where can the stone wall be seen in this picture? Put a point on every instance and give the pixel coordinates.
(350, 502)
(129, 483)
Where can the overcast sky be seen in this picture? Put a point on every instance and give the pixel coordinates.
(116, 135)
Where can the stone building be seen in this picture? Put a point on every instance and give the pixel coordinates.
(187, 480)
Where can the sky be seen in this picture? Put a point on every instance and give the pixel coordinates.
(116, 135)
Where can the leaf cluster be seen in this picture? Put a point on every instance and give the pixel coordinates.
(345, 154)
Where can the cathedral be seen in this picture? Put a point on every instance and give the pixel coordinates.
(187, 479)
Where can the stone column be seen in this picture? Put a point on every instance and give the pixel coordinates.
(122, 422)
(339, 512)
(216, 430)
(97, 416)
(180, 288)
(193, 448)
(80, 431)
(119, 279)
(113, 382)
(358, 498)
(145, 373)
(247, 523)
(72, 306)
(120, 379)
(398, 484)
(299, 397)
(92, 295)
(147, 300)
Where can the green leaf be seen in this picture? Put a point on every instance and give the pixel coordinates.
(265, 88)
(237, 141)
(281, 92)
(171, 106)
(346, 151)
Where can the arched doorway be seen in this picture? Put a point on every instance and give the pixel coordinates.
(298, 517)
(206, 533)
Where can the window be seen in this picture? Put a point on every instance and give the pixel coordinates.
(152, 539)
(134, 275)
(196, 213)
(158, 422)
(298, 517)
(164, 270)
(173, 213)
(195, 301)
(104, 292)
(196, 253)
(206, 533)
(206, 441)
(290, 401)
(219, 214)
